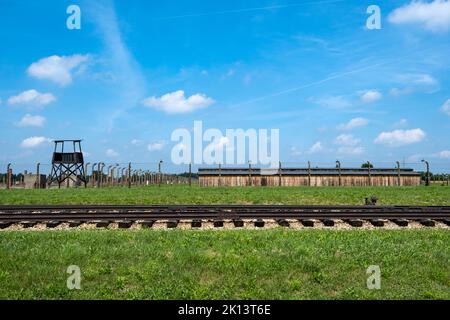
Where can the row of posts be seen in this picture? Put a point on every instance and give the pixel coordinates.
(338, 167)
(127, 176)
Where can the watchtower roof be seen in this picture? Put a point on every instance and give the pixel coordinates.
(58, 141)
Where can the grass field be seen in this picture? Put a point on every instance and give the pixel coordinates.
(239, 264)
(183, 194)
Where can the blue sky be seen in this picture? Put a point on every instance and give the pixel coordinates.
(137, 70)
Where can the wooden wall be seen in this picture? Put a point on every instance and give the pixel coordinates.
(315, 180)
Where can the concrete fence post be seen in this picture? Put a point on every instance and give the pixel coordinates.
(159, 172)
(8, 176)
(129, 175)
(38, 176)
(190, 174)
(338, 166)
(427, 177)
(250, 173)
(279, 173)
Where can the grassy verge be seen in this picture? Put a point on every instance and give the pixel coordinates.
(182, 194)
(238, 264)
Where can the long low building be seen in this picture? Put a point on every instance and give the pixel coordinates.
(214, 177)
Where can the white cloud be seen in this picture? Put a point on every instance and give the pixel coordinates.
(155, 146)
(353, 123)
(347, 140)
(57, 68)
(446, 107)
(136, 142)
(417, 79)
(230, 73)
(332, 102)
(31, 121)
(353, 151)
(32, 97)
(349, 145)
(414, 82)
(33, 142)
(401, 123)
(370, 96)
(433, 16)
(398, 92)
(111, 153)
(400, 137)
(316, 148)
(176, 102)
(444, 154)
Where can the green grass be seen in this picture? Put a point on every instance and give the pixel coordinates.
(183, 194)
(238, 264)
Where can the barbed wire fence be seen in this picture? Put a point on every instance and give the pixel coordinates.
(131, 174)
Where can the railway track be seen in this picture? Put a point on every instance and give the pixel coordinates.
(125, 215)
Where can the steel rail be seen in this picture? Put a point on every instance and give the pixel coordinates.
(217, 212)
(16, 208)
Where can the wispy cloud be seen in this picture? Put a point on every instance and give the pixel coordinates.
(446, 107)
(31, 121)
(125, 70)
(353, 123)
(34, 142)
(156, 146)
(332, 102)
(32, 97)
(252, 9)
(369, 96)
(111, 153)
(414, 82)
(317, 147)
(347, 140)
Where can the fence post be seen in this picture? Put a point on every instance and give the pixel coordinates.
(220, 175)
(159, 173)
(370, 176)
(427, 178)
(250, 173)
(190, 174)
(279, 173)
(86, 171)
(129, 175)
(38, 176)
(8, 176)
(338, 165)
(398, 173)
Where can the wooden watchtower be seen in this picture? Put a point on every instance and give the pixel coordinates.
(67, 165)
